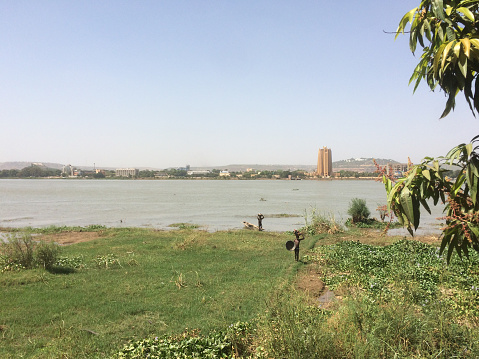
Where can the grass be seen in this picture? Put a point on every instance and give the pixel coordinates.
(183, 293)
(156, 283)
(183, 225)
(394, 299)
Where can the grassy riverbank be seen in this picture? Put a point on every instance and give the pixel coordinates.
(135, 283)
(392, 297)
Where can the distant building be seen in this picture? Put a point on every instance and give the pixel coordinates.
(224, 173)
(127, 172)
(397, 169)
(325, 162)
(198, 173)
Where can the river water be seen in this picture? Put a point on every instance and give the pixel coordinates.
(212, 204)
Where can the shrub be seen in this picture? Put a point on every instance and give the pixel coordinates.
(17, 252)
(318, 223)
(358, 210)
(46, 254)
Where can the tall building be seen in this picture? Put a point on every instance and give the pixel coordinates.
(325, 162)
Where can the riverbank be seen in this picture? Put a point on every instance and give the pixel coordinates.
(115, 286)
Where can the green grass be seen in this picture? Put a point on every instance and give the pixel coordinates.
(395, 300)
(153, 290)
(156, 283)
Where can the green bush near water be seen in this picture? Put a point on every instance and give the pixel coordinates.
(358, 210)
(22, 252)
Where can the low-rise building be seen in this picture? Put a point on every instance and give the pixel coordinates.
(127, 172)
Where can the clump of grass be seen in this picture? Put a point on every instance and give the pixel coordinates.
(183, 225)
(317, 223)
(358, 210)
(17, 252)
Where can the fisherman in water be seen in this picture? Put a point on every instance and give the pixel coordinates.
(299, 238)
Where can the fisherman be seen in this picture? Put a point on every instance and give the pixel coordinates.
(260, 221)
(299, 237)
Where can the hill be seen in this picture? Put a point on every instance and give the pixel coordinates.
(360, 164)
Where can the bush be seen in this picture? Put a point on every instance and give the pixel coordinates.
(318, 223)
(17, 252)
(358, 210)
(46, 254)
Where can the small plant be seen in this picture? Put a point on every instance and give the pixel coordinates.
(358, 210)
(383, 212)
(318, 223)
(180, 282)
(188, 345)
(108, 261)
(71, 262)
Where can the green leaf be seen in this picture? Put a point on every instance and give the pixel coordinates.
(437, 8)
(425, 205)
(407, 204)
(450, 249)
(469, 149)
(462, 64)
(450, 33)
(474, 229)
(466, 13)
(467, 46)
(408, 17)
(427, 174)
(472, 183)
(440, 32)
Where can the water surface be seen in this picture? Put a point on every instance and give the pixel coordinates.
(213, 204)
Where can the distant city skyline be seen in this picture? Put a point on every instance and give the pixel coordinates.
(165, 83)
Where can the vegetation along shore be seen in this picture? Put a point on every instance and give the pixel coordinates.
(90, 292)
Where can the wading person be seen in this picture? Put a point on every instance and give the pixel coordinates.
(260, 221)
(299, 238)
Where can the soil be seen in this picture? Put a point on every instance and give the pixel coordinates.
(71, 237)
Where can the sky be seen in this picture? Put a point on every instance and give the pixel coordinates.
(169, 83)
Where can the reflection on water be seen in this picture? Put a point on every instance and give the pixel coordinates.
(213, 204)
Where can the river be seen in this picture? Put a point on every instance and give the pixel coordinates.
(212, 204)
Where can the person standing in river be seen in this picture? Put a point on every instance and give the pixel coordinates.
(299, 238)
(260, 221)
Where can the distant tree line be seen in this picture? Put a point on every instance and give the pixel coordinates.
(30, 171)
(344, 173)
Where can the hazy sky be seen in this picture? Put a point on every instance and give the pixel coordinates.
(205, 83)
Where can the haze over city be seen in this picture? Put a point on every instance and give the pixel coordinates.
(170, 83)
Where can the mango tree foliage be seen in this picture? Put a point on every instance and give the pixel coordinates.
(427, 181)
(448, 33)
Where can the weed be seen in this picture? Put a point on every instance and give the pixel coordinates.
(107, 261)
(319, 223)
(17, 252)
(46, 254)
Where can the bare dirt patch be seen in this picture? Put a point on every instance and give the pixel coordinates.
(70, 237)
(310, 283)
